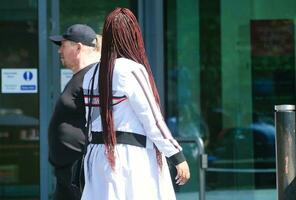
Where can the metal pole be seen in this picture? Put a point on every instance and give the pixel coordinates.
(202, 163)
(285, 151)
(43, 98)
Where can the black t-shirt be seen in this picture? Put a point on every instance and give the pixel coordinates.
(66, 129)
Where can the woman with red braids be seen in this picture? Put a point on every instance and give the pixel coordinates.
(128, 137)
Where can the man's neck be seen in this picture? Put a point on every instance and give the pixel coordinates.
(85, 59)
(83, 64)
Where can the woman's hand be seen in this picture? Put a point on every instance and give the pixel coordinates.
(183, 173)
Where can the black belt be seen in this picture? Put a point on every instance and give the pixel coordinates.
(121, 138)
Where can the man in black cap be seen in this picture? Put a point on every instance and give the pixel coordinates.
(79, 49)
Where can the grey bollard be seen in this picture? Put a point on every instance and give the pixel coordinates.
(285, 152)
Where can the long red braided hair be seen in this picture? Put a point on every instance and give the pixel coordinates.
(121, 38)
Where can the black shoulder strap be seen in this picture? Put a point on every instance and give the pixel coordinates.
(87, 130)
(90, 98)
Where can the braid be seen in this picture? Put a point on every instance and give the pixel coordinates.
(121, 38)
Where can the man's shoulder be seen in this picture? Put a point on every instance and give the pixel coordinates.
(89, 75)
(87, 69)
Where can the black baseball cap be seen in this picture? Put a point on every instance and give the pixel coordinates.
(77, 33)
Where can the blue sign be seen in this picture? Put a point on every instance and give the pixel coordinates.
(28, 87)
(28, 75)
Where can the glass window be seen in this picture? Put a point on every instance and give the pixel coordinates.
(227, 64)
(89, 12)
(19, 100)
(182, 84)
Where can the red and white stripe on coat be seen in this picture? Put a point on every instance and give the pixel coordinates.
(96, 100)
(143, 81)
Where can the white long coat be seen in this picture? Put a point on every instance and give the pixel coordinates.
(137, 175)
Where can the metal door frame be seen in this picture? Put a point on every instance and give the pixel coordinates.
(49, 76)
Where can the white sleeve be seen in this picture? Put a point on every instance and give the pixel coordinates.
(141, 98)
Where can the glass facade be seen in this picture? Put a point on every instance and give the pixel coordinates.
(227, 64)
(19, 100)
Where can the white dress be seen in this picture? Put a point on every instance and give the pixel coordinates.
(137, 176)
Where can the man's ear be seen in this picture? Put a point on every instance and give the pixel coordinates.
(79, 46)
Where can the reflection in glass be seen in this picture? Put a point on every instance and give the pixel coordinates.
(226, 68)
